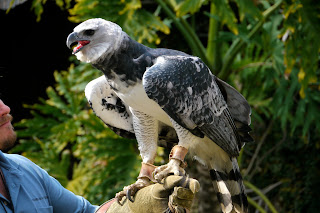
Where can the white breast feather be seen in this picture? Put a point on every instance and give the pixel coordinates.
(136, 97)
(99, 89)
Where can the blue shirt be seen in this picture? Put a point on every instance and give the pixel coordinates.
(32, 190)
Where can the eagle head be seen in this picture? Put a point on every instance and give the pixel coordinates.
(94, 38)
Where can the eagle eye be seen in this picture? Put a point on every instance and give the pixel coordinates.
(89, 32)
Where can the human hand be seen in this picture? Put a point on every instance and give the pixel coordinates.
(175, 194)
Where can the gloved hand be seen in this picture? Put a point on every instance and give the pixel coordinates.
(175, 193)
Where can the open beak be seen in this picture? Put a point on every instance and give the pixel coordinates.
(73, 39)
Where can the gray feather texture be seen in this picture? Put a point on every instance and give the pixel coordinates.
(237, 104)
(186, 90)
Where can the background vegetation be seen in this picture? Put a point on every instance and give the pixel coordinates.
(268, 50)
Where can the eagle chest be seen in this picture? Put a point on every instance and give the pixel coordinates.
(136, 98)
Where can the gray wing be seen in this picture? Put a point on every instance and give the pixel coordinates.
(239, 109)
(109, 107)
(188, 92)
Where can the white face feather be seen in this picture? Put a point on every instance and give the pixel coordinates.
(106, 39)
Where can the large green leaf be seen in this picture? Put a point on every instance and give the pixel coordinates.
(226, 15)
(188, 6)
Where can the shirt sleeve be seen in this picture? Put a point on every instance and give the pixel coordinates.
(63, 200)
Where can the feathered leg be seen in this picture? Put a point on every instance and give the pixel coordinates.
(146, 131)
(176, 163)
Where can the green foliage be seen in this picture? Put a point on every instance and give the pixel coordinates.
(37, 6)
(226, 16)
(184, 7)
(138, 23)
(247, 8)
(72, 144)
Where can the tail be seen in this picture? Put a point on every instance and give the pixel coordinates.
(230, 189)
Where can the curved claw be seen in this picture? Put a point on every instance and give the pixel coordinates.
(129, 191)
(118, 201)
(119, 197)
(128, 194)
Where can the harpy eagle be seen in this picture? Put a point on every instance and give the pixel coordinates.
(160, 95)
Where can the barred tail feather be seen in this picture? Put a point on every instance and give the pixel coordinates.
(230, 189)
(241, 197)
(223, 194)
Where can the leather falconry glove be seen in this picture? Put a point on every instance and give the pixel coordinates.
(175, 194)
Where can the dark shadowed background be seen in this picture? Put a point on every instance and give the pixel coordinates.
(30, 52)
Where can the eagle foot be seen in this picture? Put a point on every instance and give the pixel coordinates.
(175, 166)
(131, 190)
(171, 168)
(144, 179)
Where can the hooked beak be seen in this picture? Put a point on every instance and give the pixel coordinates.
(74, 38)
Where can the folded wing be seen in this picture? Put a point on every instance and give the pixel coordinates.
(187, 91)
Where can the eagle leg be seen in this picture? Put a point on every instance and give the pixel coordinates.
(175, 166)
(144, 179)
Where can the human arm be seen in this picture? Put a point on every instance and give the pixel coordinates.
(63, 200)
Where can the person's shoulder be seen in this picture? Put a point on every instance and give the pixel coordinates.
(18, 159)
(24, 164)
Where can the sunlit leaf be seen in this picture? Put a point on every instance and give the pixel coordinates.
(188, 6)
(226, 15)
